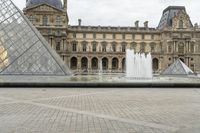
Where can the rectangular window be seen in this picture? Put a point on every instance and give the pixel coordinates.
(124, 36)
(114, 36)
(123, 48)
(133, 36)
(152, 48)
(143, 36)
(84, 47)
(152, 37)
(74, 35)
(142, 47)
(74, 47)
(32, 19)
(94, 35)
(84, 35)
(45, 21)
(94, 47)
(192, 48)
(104, 36)
(104, 47)
(58, 46)
(58, 21)
(169, 48)
(114, 47)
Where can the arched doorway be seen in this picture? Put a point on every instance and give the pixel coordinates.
(94, 63)
(73, 63)
(123, 64)
(115, 64)
(155, 64)
(84, 63)
(105, 63)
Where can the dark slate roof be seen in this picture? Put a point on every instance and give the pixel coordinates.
(168, 14)
(54, 3)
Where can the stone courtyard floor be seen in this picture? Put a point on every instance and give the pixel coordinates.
(107, 110)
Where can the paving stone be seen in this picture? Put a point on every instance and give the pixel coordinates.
(82, 110)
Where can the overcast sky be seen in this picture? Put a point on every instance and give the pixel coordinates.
(123, 12)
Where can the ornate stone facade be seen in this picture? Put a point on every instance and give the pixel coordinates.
(84, 48)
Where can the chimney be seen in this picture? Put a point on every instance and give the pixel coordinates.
(79, 22)
(65, 4)
(146, 24)
(137, 24)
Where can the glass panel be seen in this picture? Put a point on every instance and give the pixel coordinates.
(22, 48)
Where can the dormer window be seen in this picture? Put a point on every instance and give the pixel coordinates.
(58, 21)
(181, 24)
(45, 21)
(32, 19)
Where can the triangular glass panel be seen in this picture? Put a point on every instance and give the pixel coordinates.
(23, 50)
(177, 68)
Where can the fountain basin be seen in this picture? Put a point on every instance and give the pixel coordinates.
(113, 80)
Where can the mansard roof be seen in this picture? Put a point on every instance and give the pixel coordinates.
(168, 14)
(54, 3)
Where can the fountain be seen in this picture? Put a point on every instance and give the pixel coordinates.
(138, 65)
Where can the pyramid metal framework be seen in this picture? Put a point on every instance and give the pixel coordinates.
(23, 50)
(178, 68)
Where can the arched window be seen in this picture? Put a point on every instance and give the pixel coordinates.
(115, 63)
(155, 64)
(94, 63)
(58, 21)
(105, 63)
(73, 63)
(45, 20)
(181, 24)
(84, 63)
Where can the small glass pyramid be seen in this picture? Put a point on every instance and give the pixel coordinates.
(177, 68)
(23, 50)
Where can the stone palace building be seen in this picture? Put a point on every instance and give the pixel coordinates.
(84, 48)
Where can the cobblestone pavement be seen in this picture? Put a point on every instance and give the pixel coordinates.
(83, 110)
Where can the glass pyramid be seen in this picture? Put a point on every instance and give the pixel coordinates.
(23, 50)
(177, 68)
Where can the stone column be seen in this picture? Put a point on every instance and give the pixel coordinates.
(79, 63)
(120, 65)
(189, 46)
(89, 64)
(110, 64)
(174, 47)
